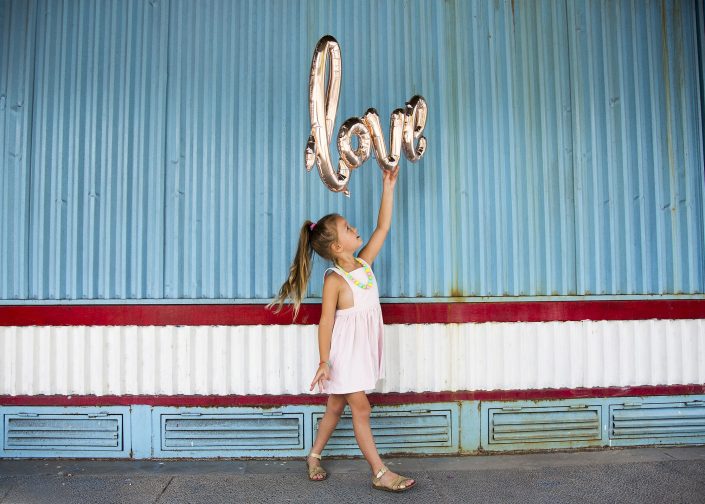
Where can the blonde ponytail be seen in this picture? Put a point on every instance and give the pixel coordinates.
(314, 236)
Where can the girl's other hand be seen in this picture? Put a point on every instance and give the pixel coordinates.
(389, 178)
(323, 374)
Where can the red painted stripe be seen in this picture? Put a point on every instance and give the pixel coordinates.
(394, 313)
(375, 399)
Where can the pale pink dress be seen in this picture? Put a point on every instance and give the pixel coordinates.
(356, 345)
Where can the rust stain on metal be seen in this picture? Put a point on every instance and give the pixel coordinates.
(514, 21)
(455, 292)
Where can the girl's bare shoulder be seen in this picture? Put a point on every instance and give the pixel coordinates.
(331, 293)
(333, 280)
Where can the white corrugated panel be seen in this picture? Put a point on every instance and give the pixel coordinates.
(282, 359)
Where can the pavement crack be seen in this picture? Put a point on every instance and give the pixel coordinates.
(164, 489)
(7, 491)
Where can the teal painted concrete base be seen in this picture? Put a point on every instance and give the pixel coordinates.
(463, 427)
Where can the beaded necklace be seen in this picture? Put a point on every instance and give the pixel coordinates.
(365, 268)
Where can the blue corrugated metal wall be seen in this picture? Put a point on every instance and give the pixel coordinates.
(154, 149)
(638, 158)
(16, 77)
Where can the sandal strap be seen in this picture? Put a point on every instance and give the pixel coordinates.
(315, 471)
(398, 481)
(315, 455)
(381, 472)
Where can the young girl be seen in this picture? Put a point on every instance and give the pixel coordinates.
(350, 329)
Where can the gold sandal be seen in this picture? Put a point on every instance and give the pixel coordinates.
(314, 471)
(396, 486)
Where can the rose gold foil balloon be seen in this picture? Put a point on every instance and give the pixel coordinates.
(310, 153)
(354, 127)
(323, 105)
(414, 123)
(387, 161)
(405, 126)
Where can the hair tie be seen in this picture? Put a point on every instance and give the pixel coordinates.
(313, 225)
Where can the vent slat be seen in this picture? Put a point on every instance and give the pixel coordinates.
(208, 434)
(66, 424)
(205, 426)
(557, 417)
(409, 431)
(400, 422)
(545, 426)
(672, 432)
(657, 423)
(67, 443)
(393, 433)
(234, 424)
(417, 440)
(669, 414)
(556, 435)
(231, 443)
(57, 434)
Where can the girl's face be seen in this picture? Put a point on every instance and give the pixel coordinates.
(348, 237)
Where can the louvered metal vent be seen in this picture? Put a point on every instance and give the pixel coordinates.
(397, 431)
(263, 431)
(648, 423)
(544, 425)
(41, 432)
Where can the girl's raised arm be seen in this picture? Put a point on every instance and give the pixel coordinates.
(384, 220)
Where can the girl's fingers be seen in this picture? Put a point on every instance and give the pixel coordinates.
(320, 377)
(313, 383)
(391, 175)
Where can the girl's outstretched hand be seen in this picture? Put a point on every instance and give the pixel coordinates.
(389, 178)
(323, 374)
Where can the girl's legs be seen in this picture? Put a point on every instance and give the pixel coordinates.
(360, 407)
(334, 408)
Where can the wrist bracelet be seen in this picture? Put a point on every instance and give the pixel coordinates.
(326, 362)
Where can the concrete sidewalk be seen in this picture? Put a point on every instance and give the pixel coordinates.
(643, 475)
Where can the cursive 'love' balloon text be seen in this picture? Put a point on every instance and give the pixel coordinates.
(405, 126)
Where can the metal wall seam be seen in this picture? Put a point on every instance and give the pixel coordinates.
(258, 360)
